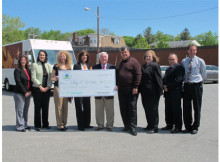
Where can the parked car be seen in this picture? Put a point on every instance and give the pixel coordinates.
(163, 69)
(212, 73)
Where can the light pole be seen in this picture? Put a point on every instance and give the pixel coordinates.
(97, 15)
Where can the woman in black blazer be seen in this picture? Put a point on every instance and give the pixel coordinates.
(22, 93)
(151, 88)
(82, 104)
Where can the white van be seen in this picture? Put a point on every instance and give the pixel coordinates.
(30, 47)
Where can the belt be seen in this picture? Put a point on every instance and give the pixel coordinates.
(193, 83)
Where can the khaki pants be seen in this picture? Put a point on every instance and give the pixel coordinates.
(102, 105)
(61, 108)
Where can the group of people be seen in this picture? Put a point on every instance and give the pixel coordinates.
(180, 81)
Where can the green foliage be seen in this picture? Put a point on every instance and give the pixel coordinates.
(207, 39)
(11, 29)
(140, 42)
(159, 36)
(162, 44)
(177, 38)
(185, 35)
(85, 32)
(52, 35)
(129, 41)
(11, 32)
(150, 38)
(32, 30)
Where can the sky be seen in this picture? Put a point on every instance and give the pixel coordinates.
(121, 17)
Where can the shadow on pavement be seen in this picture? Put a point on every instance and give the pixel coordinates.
(8, 128)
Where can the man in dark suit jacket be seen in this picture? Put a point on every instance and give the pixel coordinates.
(104, 103)
(172, 83)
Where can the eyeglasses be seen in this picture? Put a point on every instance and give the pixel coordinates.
(171, 59)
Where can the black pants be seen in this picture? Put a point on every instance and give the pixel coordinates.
(83, 112)
(192, 92)
(41, 103)
(128, 107)
(173, 110)
(150, 104)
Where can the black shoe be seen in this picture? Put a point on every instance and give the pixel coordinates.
(125, 129)
(194, 131)
(28, 128)
(81, 129)
(48, 127)
(168, 127)
(89, 127)
(175, 130)
(62, 129)
(154, 130)
(147, 128)
(109, 129)
(37, 129)
(133, 132)
(22, 130)
(99, 128)
(186, 131)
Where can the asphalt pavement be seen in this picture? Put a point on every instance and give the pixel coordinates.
(104, 146)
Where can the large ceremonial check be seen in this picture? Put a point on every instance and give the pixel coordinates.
(84, 83)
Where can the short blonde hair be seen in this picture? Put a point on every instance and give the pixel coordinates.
(68, 62)
(155, 58)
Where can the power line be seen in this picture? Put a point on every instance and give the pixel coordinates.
(165, 17)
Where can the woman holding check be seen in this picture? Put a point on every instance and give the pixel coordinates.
(64, 62)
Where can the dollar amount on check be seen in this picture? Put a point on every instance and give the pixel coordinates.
(84, 83)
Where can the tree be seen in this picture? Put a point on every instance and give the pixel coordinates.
(32, 30)
(85, 32)
(11, 29)
(52, 35)
(159, 36)
(149, 36)
(162, 44)
(185, 35)
(140, 42)
(207, 39)
(129, 41)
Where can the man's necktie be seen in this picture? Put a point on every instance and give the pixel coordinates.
(103, 67)
(189, 69)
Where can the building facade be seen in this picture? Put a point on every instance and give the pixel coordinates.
(90, 40)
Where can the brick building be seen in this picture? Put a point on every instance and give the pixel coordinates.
(90, 40)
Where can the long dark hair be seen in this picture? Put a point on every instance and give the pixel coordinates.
(81, 53)
(27, 62)
(46, 57)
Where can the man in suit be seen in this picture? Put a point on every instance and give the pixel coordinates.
(104, 103)
(172, 83)
(195, 75)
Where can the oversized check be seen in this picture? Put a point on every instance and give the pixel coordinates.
(84, 83)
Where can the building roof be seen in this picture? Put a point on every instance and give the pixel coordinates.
(174, 44)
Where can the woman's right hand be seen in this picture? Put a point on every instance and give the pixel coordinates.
(42, 89)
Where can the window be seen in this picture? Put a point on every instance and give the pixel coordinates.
(80, 41)
(117, 41)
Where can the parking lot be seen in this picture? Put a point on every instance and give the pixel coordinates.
(100, 146)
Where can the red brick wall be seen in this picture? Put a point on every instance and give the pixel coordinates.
(208, 53)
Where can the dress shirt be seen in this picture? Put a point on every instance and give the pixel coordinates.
(86, 68)
(198, 72)
(104, 67)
